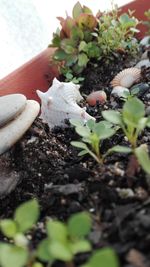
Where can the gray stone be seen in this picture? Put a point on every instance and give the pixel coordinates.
(148, 111)
(15, 129)
(10, 107)
(9, 178)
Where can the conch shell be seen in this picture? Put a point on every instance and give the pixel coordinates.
(60, 103)
(127, 77)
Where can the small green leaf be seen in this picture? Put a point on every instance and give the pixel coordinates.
(57, 231)
(83, 46)
(79, 225)
(141, 153)
(105, 257)
(12, 256)
(133, 111)
(82, 153)
(112, 116)
(90, 124)
(79, 144)
(83, 131)
(43, 252)
(80, 246)
(103, 130)
(60, 54)
(8, 227)
(27, 215)
(60, 251)
(76, 123)
(82, 60)
(142, 124)
(77, 10)
(120, 149)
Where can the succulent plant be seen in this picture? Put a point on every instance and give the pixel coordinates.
(85, 37)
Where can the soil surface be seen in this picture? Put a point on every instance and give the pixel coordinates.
(117, 194)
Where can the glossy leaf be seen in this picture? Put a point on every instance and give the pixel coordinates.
(12, 256)
(57, 231)
(43, 252)
(77, 10)
(60, 251)
(103, 131)
(133, 111)
(82, 153)
(8, 227)
(112, 116)
(83, 131)
(27, 215)
(79, 225)
(105, 257)
(60, 55)
(80, 246)
(120, 149)
(82, 60)
(143, 157)
(79, 144)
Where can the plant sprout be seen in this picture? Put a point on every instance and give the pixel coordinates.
(132, 121)
(92, 134)
(62, 242)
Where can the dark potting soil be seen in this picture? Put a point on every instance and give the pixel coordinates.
(117, 194)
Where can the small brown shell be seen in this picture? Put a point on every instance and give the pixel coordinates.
(97, 96)
(127, 77)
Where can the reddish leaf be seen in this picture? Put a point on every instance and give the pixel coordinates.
(66, 24)
(87, 21)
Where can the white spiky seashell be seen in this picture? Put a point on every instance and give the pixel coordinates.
(126, 78)
(119, 91)
(143, 63)
(60, 103)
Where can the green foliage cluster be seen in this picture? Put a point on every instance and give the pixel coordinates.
(131, 120)
(84, 37)
(63, 241)
(147, 23)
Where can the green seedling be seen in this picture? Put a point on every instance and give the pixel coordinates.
(17, 254)
(62, 242)
(92, 134)
(132, 121)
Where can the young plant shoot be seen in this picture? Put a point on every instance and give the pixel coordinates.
(132, 121)
(92, 135)
(62, 242)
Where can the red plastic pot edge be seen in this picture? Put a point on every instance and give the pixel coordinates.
(31, 76)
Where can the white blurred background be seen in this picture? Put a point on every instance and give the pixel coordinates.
(26, 27)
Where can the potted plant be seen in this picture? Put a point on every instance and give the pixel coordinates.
(97, 201)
